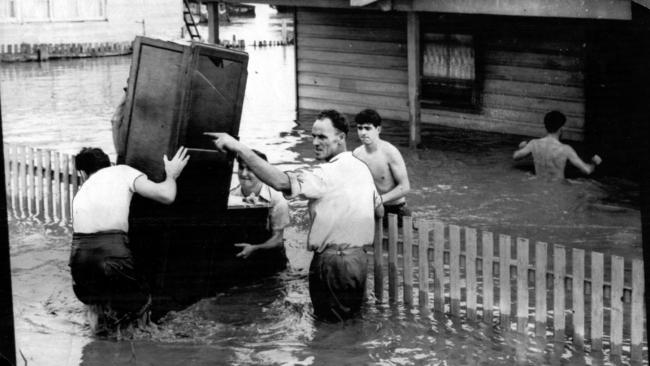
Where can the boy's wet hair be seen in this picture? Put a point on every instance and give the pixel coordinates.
(553, 121)
(91, 159)
(258, 153)
(368, 116)
(338, 120)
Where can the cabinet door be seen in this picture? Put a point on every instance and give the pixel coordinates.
(176, 93)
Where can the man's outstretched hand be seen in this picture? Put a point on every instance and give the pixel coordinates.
(223, 141)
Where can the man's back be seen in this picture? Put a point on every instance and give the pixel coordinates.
(549, 156)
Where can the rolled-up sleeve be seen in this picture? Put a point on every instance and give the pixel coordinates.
(308, 183)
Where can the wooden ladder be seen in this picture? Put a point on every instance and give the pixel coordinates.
(190, 24)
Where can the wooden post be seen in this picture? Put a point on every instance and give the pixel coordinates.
(423, 264)
(636, 333)
(504, 279)
(488, 281)
(541, 260)
(522, 285)
(439, 266)
(559, 272)
(454, 269)
(378, 258)
(392, 258)
(407, 230)
(597, 273)
(578, 298)
(413, 60)
(5, 150)
(616, 298)
(470, 272)
(213, 22)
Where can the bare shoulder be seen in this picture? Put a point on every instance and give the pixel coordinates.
(390, 150)
(358, 151)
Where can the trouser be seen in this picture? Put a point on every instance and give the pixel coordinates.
(337, 282)
(103, 273)
(399, 209)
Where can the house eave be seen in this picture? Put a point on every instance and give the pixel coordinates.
(583, 9)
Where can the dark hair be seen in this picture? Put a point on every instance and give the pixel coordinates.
(338, 121)
(368, 116)
(553, 121)
(258, 153)
(91, 159)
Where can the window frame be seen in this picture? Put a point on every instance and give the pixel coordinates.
(471, 103)
(51, 4)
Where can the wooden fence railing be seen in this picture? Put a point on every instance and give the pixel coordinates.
(586, 296)
(40, 184)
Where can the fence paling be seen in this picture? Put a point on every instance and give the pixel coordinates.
(31, 205)
(65, 189)
(47, 192)
(21, 181)
(454, 269)
(392, 258)
(378, 258)
(56, 188)
(597, 299)
(470, 270)
(438, 266)
(423, 261)
(541, 253)
(408, 260)
(559, 270)
(577, 284)
(616, 308)
(522, 284)
(504, 278)
(40, 197)
(487, 276)
(638, 288)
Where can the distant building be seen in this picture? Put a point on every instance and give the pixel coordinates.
(87, 21)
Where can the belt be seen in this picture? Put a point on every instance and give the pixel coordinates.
(340, 249)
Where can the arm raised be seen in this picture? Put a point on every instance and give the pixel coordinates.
(267, 173)
(165, 191)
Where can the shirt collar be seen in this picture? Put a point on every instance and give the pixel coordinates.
(265, 192)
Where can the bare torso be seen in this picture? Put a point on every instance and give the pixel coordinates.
(549, 156)
(379, 162)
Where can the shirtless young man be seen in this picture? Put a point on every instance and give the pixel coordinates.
(385, 162)
(550, 155)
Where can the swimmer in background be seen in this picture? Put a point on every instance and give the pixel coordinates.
(550, 155)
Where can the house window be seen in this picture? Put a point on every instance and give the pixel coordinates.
(449, 71)
(7, 9)
(62, 10)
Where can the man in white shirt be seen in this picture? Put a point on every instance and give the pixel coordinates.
(101, 263)
(253, 190)
(343, 205)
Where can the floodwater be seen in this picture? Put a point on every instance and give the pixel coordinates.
(463, 178)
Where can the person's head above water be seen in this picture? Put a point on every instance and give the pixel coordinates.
(368, 116)
(91, 159)
(247, 179)
(553, 121)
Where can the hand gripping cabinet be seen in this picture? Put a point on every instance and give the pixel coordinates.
(175, 93)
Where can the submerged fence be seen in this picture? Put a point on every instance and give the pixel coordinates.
(585, 295)
(596, 300)
(40, 184)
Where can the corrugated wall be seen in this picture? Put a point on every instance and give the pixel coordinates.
(355, 60)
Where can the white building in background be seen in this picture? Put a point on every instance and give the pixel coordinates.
(87, 21)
